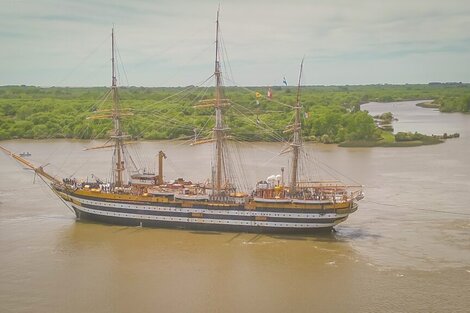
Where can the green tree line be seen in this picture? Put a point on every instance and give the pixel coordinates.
(330, 114)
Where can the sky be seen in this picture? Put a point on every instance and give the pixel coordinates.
(171, 43)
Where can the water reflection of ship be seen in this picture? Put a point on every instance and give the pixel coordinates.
(221, 203)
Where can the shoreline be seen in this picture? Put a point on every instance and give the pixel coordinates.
(383, 144)
(428, 105)
(345, 144)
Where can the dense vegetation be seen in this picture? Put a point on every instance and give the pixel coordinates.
(331, 114)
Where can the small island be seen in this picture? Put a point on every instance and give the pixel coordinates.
(386, 138)
(429, 105)
(400, 139)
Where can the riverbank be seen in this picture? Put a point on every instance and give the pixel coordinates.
(387, 139)
(383, 142)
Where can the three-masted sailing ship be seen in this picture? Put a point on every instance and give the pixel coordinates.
(146, 199)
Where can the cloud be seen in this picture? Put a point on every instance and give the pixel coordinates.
(161, 43)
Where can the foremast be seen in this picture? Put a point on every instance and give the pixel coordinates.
(297, 138)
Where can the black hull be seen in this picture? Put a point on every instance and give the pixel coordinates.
(111, 220)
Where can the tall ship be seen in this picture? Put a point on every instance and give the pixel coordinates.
(275, 204)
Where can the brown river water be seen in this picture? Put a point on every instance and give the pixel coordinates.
(407, 248)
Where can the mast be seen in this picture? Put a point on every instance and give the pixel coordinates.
(297, 141)
(116, 117)
(218, 175)
(219, 131)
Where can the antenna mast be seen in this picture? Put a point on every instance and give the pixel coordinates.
(297, 141)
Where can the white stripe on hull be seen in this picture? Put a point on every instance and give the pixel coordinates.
(208, 211)
(206, 220)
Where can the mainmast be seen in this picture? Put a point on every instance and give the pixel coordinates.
(297, 141)
(118, 167)
(219, 130)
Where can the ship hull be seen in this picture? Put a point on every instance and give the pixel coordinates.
(206, 217)
(197, 226)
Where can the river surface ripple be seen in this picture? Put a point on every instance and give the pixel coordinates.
(407, 248)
